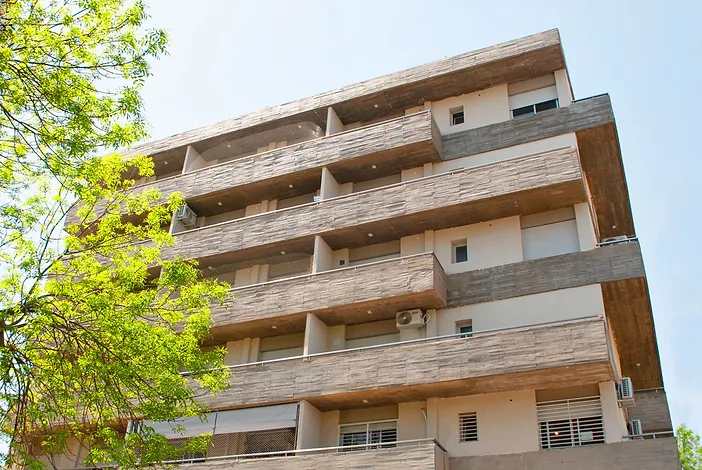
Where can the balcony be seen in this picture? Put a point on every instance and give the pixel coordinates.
(642, 454)
(290, 171)
(542, 356)
(337, 297)
(421, 454)
(525, 185)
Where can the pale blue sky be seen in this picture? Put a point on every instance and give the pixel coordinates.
(231, 57)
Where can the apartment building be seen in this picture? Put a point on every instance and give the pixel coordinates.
(433, 269)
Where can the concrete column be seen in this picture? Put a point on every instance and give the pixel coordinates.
(193, 160)
(586, 232)
(315, 335)
(432, 326)
(432, 411)
(334, 124)
(428, 169)
(429, 241)
(309, 426)
(329, 187)
(565, 96)
(323, 258)
(610, 412)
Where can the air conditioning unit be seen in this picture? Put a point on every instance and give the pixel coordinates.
(317, 198)
(186, 215)
(407, 319)
(626, 391)
(635, 427)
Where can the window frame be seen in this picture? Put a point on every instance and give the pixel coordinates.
(455, 244)
(472, 435)
(368, 443)
(533, 108)
(453, 116)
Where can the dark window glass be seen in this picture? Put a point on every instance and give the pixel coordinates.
(466, 331)
(457, 118)
(461, 253)
(550, 104)
(523, 111)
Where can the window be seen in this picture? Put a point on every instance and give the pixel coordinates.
(570, 423)
(373, 432)
(535, 108)
(457, 116)
(465, 328)
(468, 427)
(460, 251)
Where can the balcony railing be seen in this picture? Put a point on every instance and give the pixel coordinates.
(408, 141)
(538, 356)
(407, 282)
(414, 454)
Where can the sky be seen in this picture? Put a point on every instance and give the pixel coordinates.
(227, 58)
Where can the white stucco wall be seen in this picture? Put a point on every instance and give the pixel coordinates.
(412, 245)
(506, 423)
(516, 151)
(481, 108)
(546, 307)
(489, 244)
(410, 420)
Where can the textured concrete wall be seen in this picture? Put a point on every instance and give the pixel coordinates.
(651, 407)
(653, 454)
(609, 263)
(410, 457)
(428, 364)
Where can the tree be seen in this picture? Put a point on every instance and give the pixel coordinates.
(689, 448)
(95, 327)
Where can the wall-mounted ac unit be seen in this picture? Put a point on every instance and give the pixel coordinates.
(635, 428)
(407, 319)
(626, 391)
(186, 216)
(317, 198)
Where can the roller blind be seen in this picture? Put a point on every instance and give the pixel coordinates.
(231, 421)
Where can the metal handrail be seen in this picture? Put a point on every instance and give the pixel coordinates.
(294, 452)
(649, 435)
(627, 239)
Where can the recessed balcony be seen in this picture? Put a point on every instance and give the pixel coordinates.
(533, 357)
(339, 296)
(521, 186)
(368, 152)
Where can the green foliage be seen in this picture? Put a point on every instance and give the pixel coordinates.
(689, 448)
(95, 326)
